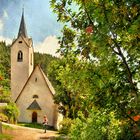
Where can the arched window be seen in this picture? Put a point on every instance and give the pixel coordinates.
(35, 96)
(20, 56)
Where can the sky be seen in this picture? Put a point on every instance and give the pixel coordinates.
(41, 23)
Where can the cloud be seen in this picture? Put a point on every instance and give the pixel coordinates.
(1, 24)
(49, 46)
(5, 14)
(7, 40)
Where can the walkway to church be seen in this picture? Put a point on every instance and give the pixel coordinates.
(24, 133)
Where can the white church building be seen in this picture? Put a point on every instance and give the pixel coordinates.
(31, 89)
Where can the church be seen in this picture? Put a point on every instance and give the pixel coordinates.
(31, 89)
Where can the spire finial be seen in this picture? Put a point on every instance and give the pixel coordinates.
(23, 9)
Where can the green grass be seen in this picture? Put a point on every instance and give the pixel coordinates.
(34, 125)
(5, 137)
(6, 127)
(31, 125)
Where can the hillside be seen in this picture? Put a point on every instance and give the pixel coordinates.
(4, 72)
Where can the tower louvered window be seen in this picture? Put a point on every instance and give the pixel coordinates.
(20, 56)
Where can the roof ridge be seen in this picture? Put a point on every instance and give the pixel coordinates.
(25, 85)
(48, 83)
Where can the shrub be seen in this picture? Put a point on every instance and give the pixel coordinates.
(12, 112)
(3, 117)
(99, 125)
(65, 126)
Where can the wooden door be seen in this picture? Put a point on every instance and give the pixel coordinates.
(34, 117)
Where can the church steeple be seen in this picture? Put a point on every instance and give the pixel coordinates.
(22, 28)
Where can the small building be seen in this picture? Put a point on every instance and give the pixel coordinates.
(31, 89)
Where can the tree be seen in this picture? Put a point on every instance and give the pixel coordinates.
(105, 35)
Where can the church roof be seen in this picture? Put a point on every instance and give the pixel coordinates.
(48, 83)
(22, 28)
(34, 106)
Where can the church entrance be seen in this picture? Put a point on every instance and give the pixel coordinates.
(34, 117)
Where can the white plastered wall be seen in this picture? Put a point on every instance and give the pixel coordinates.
(45, 99)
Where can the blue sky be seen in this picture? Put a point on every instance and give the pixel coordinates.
(39, 18)
(40, 21)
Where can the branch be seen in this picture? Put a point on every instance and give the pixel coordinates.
(125, 114)
(91, 22)
(114, 50)
(121, 54)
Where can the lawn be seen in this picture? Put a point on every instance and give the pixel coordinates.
(34, 125)
(5, 137)
(31, 125)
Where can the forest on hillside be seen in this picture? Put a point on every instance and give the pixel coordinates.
(4, 72)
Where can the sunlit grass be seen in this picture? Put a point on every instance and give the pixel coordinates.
(6, 127)
(31, 125)
(35, 125)
(5, 137)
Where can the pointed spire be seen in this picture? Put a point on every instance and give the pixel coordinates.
(22, 28)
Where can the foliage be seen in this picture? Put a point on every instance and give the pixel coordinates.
(65, 126)
(100, 59)
(12, 112)
(5, 137)
(5, 96)
(76, 87)
(4, 60)
(101, 125)
(4, 72)
(43, 60)
(3, 117)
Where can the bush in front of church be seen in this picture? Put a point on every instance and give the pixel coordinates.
(12, 112)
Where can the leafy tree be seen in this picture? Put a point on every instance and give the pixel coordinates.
(73, 85)
(104, 36)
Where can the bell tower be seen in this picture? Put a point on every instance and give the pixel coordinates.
(22, 59)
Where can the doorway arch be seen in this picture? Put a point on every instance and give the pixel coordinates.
(34, 117)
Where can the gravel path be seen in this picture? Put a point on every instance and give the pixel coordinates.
(25, 133)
